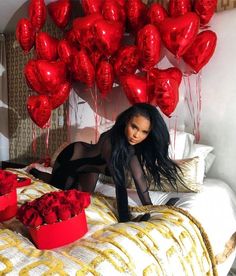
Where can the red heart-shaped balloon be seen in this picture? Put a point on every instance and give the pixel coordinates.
(121, 3)
(156, 14)
(65, 51)
(179, 33)
(39, 109)
(83, 30)
(172, 72)
(179, 7)
(104, 77)
(60, 12)
(71, 37)
(126, 61)
(166, 95)
(37, 13)
(60, 95)
(31, 76)
(205, 9)
(91, 6)
(136, 12)
(201, 50)
(51, 74)
(112, 11)
(108, 36)
(135, 88)
(46, 46)
(149, 45)
(82, 68)
(25, 34)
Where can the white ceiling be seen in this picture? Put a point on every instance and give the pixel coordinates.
(11, 11)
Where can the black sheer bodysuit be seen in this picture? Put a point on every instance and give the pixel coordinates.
(80, 163)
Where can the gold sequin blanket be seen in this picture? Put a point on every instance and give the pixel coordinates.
(170, 243)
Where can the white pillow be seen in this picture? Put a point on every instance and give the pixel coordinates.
(180, 144)
(200, 150)
(209, 160)
(204, 153)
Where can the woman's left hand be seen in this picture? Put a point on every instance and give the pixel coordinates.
(143, 217)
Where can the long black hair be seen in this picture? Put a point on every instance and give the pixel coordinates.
(151, 152)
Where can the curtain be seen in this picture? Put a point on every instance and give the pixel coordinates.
(4, 138)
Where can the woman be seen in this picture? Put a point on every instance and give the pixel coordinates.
(139, 139)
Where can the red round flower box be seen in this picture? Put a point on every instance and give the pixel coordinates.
(8, 205)
(54, 235)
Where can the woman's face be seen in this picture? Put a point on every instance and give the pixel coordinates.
(137, 129)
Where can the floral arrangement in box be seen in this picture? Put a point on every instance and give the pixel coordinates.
(8, 197)
(53, 207)
(56, 218)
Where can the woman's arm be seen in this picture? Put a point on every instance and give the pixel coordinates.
(121, 191)
(140, 180)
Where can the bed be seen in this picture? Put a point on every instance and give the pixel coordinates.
(195, 236)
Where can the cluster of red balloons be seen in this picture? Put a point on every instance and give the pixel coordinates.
(95, 50)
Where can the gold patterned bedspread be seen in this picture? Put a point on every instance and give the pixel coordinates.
(170, 243)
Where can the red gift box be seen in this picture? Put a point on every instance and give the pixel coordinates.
(22, 181)
(8, 205)
(54, 235)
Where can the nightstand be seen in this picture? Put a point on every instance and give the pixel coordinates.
(18, 163)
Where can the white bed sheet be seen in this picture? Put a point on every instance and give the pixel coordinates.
(214, 207)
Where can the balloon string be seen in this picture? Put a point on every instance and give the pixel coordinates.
(175, 133)
(147, 83)
(34, 143)
(47, 142)
(95, 101)
(74, 105)
(190, 97)
(199, 106)
(194, 104)
(194, 109)
(68, 122)
(187, 98)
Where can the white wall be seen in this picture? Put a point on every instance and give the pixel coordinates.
(218, 126)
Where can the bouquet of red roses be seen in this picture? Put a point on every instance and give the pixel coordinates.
(53, 207)
(8, 182)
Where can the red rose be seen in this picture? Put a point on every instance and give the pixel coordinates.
(71, 194)
(63, 200)
(47, 200)
(22, 209)
(32, 218)
(64, 212)
(49, 197)
(49, 214)
(84, 199)
(76, 207)
(60, 194)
